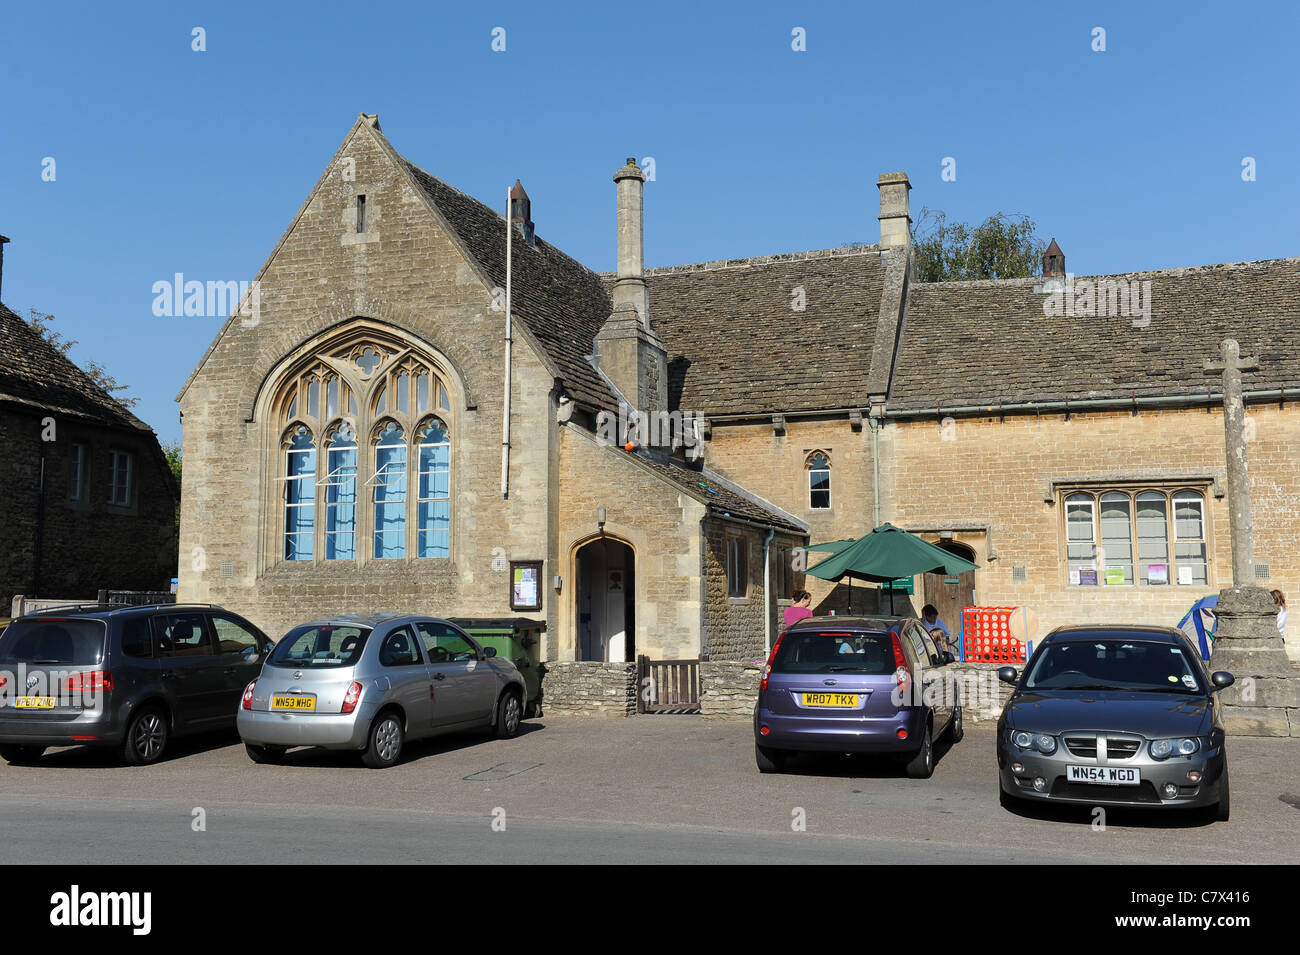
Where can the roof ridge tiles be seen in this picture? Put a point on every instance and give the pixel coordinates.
(1145, 273)
(754, 260)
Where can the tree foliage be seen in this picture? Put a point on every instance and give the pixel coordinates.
(41, 324)
(1001, 247)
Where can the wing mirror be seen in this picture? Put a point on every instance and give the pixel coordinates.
(1008, 675)
(489, 651)
(1222, 679)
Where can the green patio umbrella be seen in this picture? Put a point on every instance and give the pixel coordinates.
(883, 556)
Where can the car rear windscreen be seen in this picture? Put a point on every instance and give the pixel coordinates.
(69, 642)
(813, 652)
(327, 645)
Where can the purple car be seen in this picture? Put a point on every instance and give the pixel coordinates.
(855, 685)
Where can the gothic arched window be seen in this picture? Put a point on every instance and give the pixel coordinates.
(366, 401)
(819, 480)
(300, 494)
(389, 491)
(433, 505)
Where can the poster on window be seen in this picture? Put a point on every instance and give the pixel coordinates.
(1088, 578)
(1185, 575)
(526, 585)
(1114, 575)
(1157, 573)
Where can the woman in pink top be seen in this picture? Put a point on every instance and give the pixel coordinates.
(799, 609)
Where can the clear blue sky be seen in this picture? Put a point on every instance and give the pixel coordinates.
(169, 160)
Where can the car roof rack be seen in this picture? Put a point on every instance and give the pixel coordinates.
(93, 607)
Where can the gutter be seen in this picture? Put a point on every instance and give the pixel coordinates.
(1088, 404)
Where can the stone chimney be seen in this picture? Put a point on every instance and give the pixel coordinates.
(1053, 262)
(521, 212)
(629, 352)
(895, 222)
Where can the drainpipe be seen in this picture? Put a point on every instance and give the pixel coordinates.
(767, 591)
(40, 523)
(505, 418)
(875, 468)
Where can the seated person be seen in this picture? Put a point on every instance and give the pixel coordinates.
(937, 629)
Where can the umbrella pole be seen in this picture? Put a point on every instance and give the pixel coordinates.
(891, 598)
(849, 612)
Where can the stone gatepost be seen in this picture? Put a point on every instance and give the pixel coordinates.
(1265, 700)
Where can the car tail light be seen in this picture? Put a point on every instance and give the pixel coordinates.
(350, 697)
(3, 679)
(247, 702)
(767, 670)
(899, 660)
(93, 681)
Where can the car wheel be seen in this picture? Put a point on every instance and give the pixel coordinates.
(21, 755)
(385, 745)
(1220, 811)
(955, 728)
(769, 760)
(508, 713)
(146, 737)
(921, 766)
(265, 754)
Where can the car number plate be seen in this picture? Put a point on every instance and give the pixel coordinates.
(293, 702)
(1104, 775)
(836, 700)
(34, 702)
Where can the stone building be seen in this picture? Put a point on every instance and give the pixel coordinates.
(90, 502)
(368, 439)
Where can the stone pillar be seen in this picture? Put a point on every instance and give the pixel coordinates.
(1265, 700)
(895, 219)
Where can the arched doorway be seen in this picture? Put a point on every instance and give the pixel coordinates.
(606, 601)
(950, 595)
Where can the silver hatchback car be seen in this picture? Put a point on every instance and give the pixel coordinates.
(369, 683)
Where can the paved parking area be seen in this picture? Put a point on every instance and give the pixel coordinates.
(665, 788)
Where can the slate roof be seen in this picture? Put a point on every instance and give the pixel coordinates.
(718, 495)
(561, 302)
(967, 343)
(35, 373)
(735, 345)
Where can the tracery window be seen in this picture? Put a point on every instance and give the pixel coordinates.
(819, 480)
(364, 415)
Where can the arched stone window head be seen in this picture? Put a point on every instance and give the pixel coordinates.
(819, 480)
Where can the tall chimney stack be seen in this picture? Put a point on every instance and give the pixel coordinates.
(630, 288)
(630, 353)
(895, 222)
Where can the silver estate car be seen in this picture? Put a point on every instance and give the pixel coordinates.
(368, 683)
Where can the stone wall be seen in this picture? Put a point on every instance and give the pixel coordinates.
(728, 690)
(87, 545)
(660, 524)
(773, 467)
(999, 473)
(587, 688)
(733, 626)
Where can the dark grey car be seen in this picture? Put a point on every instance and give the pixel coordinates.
(1115, 716)
(369, 683)
(128, 678)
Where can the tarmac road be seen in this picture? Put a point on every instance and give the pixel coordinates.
(639, 790)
